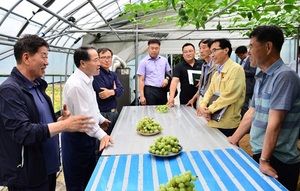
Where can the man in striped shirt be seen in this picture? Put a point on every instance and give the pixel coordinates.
(274, 115)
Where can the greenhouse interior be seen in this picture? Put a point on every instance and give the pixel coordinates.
(126, 26)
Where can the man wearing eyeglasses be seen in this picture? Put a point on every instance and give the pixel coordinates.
(181, 74)
(229, 84)
(107, 87)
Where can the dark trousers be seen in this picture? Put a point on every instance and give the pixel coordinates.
(227, 132)
(155, 95)
(49, 185)
(246, 105)
(113, 117)
(79, 159)
(287, 173)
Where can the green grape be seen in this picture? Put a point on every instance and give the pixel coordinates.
(162, 108)
(165, 145)
(180, 182)
(187, 177)
(181, 185)
(147, 125)
(187, 183)
(169, 185)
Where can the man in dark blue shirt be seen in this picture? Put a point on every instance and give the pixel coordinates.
(107, 87)
(29, 145)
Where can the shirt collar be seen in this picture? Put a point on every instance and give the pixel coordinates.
(81, 74)
(149, 57)
(207, 65)
(274, 67)
(220, 68)
(271, 69)
(103, 70)
(31, 84)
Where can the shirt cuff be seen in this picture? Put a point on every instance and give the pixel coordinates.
(101, 119)
(96, 132)
(100, 134)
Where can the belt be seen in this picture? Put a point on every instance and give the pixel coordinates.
(112, 110)
(153, 87)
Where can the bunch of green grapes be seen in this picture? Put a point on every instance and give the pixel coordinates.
(147, 125)
(165, 145)
(162, 108)
(182, 182)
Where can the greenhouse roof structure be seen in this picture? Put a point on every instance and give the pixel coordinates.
(70, 23)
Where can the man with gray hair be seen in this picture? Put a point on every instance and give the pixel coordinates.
(273, 118)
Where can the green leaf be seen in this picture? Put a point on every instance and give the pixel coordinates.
(274, 8)
(289, 1)
(202, 25)
(289, 8)
(196, 12)
(189, 11)
(256, 15)
(174, 5)
(264, 20)
(204, 18)
(219, 26)
(197, 24)
(244, 14)
(232, 9)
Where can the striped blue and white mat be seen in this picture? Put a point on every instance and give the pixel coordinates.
(219, 169)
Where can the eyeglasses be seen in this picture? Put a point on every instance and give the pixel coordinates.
(213, 51)
(105, 57)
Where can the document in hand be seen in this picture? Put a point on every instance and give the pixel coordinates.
(194, 76)
(217, 115)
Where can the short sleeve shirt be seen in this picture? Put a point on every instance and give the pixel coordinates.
(153, 70)
(278, 88)
(187, 91)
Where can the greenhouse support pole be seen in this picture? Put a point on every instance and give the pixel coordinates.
(136, 64)
(297, 50)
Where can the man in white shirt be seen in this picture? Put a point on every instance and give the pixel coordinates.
(78, 149)
(293, 64)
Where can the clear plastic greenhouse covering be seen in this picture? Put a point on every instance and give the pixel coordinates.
(68, 24)
(52, 20)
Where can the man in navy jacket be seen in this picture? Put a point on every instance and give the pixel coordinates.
(29, 152)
